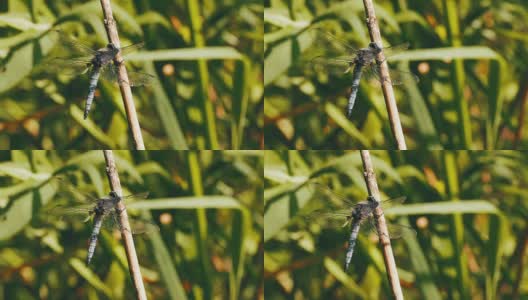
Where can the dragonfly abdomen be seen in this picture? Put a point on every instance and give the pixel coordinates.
(93, 238)
(351, 243)
(356, 77)
(91, 90)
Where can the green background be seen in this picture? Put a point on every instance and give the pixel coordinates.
(206, 57)
(467, 54)
(208, 205)
(468, 208)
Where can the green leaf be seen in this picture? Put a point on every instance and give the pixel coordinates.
(219, 202)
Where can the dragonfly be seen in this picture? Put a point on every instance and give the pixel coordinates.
(356, 215)
(82, 59)
(101, 210)
(338, 57)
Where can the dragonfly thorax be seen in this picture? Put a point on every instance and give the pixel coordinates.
(366, 56)
(104, 55)
(100, 208)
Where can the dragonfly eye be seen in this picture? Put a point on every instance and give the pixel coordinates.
(113, 194)
(375, 47)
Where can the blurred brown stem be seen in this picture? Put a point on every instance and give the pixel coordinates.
(388, 256)
(388, 92)
(124, 86)
(133, 264)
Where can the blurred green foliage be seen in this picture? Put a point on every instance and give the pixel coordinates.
(468, 54)
(468, 207)
(206, 55)
(208, 205)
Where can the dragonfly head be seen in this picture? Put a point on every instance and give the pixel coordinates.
(114, 195)
(112, 48)
(375, 47)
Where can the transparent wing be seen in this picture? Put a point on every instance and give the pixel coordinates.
(67, 190)
(336, 66)
(110, 221)
(396, 231)
(137, 225)
(400, 77)
(337, 218)
(393, 50)
(132, 47)
(137, 196)
(322, 190)
(64, 210)
(371, 71)
(139, 78)
(397, 77)
(330, 44)
(109, 72)
(327, 53)
(68, 66)
(142, 226)
(80, 213)
(73, 46)
(393, 202)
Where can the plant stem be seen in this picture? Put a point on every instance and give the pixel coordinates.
(206, 103)
(388, 256)
(457, 75)
(133, 264)
(388, 92)
(124, 86)
(202, 232)
(457, 226)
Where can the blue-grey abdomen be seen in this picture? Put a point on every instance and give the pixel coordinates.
(356, 76)
(91, 91)
(93, 238)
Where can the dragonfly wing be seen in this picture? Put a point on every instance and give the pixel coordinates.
(397, 77)
(322, 190)
(397, 231)
(325, 216)
(393, 202)
(393, 50)
(109, 72)
(137, 196)
(400, 77)
(68, 213)
(73, 46)
(142, 226)
(371, 71)
(329, 43)
(68, 66)
(62, 210)
(137, 225)
(327, 53)
(110, 221)
(336, 66)
(132, 47)
(139, 78)
(67, 190)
